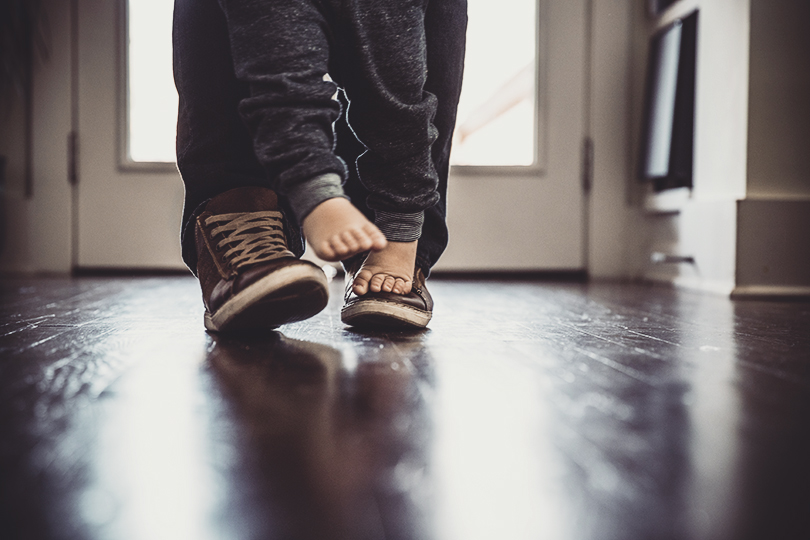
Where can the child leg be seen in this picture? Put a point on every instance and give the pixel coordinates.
(445, 32)
(381, 57)
(281, 50)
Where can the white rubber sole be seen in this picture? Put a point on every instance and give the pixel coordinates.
(381, 313)
(306, 294)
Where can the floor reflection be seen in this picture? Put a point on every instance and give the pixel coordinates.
(708, 354)
(529, 411)
(771, 373)
(322, 451)
(498, 469)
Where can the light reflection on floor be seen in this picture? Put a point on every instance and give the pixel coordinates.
(567, 415)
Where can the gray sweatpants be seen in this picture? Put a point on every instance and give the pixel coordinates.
(375, 51)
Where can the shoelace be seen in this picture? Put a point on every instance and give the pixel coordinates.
(250, 237)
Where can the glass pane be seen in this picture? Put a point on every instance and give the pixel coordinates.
(152, 97)
(496, 115)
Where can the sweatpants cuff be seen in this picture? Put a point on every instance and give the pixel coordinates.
(307, 195)
(399, 227)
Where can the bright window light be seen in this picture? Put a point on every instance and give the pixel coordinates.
(496, 115)
(152, 110)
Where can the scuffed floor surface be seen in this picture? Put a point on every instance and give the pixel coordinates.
(528, 410)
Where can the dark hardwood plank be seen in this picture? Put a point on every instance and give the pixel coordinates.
(528, 410)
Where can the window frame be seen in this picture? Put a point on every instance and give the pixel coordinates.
(537, 168)
(125, 161)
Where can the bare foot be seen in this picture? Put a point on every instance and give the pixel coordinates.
(389, 270)
(336, 230)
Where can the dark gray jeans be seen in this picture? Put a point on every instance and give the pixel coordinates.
(255, 108)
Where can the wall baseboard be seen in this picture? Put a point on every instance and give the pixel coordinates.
(771, 292)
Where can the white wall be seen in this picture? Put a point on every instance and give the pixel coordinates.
(779, 109)
(611, 215)
(38, 230)
(773, 248)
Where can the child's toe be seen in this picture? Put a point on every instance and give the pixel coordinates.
(360, 286)
(378, 241)
(350, 241)
(388, 283)
(402, 286)
(376, 282)
(340, 248)
(363, 240)
(325, 251)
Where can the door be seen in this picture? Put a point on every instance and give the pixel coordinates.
(128, 213)
(531, 218)
(500, 217)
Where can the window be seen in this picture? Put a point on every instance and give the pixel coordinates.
(498, 114)
(151, 105)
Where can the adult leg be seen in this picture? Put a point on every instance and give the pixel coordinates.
(248, 270)
(445, 32)
(214, 147)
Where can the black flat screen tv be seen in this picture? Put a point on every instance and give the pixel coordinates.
(658, 6)
(669, 110)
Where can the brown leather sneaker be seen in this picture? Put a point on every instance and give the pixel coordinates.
(387, 310)
(249, 278)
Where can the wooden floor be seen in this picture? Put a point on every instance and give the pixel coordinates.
(528, 411)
